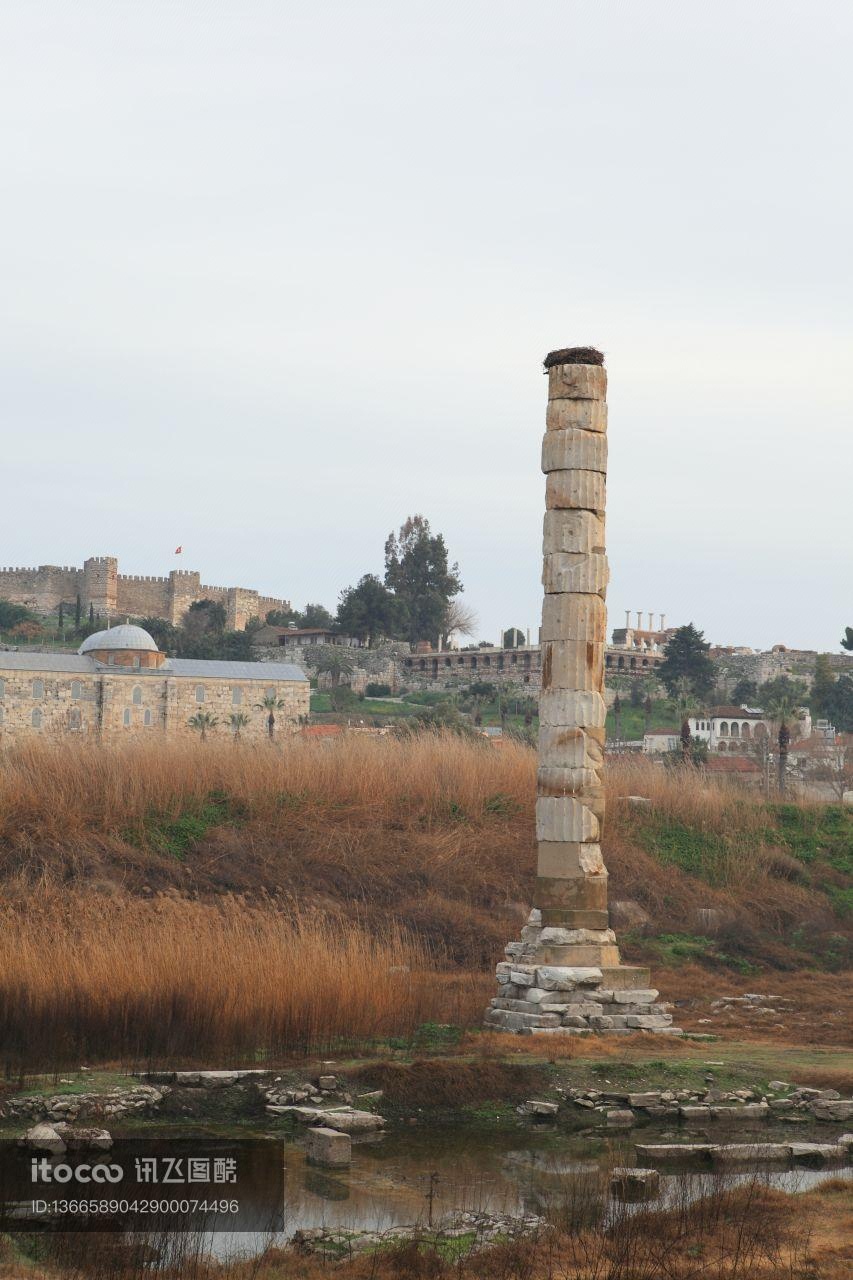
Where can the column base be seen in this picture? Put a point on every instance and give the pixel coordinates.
(561, 987)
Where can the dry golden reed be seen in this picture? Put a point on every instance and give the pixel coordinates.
(101, 978)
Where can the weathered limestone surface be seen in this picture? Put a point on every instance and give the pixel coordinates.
(328, 1147)
(564, 976)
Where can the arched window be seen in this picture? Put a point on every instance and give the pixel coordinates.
(38, 688)
(126, 717)
(236, 697)
(735, 730)
(136, 664)
(199, 693)
(761, 730)
(75, 720)
(721, 746)
(745, 731)
(724, 728)
(37, 718)
(76, 689)
(422, 664)
(148, 719)
(137, 696)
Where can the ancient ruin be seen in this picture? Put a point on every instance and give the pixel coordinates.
(564, 976)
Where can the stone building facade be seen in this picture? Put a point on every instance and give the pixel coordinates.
(112, 594)
(119, 686)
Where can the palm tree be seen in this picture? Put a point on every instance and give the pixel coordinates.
(781, 710)
(270, 703)
(239, 720)
(202, 721)
(334, 659)
(683, 702)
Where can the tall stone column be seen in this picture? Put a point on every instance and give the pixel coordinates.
(564, 976)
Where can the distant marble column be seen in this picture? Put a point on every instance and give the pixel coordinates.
(565, 973)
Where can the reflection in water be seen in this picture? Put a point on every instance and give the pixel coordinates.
(422, 1176)
(400, 1178)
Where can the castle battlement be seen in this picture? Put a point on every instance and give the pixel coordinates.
(101, 588)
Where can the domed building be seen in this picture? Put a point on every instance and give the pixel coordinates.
(119, 684)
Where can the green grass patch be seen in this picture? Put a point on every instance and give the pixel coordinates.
(427, 697)
(823, 833)
(176, 835)
(679, 948)
(700, 853)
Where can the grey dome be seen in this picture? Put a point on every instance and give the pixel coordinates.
(124, 637)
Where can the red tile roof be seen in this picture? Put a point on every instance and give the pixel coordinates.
(732, 764)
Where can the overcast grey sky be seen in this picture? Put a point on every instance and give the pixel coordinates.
(276, 275)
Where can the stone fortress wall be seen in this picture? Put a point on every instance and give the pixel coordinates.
(112, 594)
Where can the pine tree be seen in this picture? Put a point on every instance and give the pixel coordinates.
(418, 572)
(687, 658)
(78, 612)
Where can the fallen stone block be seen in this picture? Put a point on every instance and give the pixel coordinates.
(537, 1107)
(643, 1099)
(635, 996)
(748, 1111)
(620, 1119)
(699, 1112)
(829, 1109)
(43, 1137)
(818, 1155)
(83, 1139)
(328, 1147)
(634, 1184)
(675, 1153)
(753, 1152)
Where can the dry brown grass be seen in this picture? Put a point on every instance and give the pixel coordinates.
(315, 868)
(87, 980)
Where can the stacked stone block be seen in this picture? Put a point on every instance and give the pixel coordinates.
(565, 974)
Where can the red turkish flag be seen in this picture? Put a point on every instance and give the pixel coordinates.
(178, 550)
